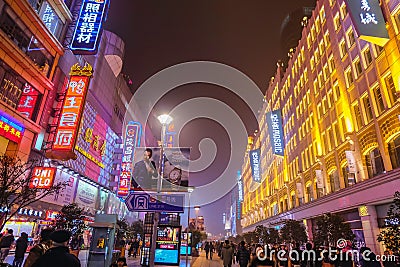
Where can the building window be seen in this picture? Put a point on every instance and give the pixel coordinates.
(327, 39)
(394, 152)
(336, 91)
(357, 67)
(342, 48)
(350, 37)
(391, 89)
(336, 21)
(357, 115)
(334, 182)
(367, 108)
(367, 56)
(322, 15)
(343, 10)
(331, 62)
(332, 2)
(309, 193)
(378, 99)
(378, 49)
(349, 77)
(374, 163)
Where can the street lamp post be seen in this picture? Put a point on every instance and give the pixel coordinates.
(190, 190)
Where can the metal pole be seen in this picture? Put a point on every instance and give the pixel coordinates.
(187, 232)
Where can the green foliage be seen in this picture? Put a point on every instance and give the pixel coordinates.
(122, 230)
(15, 193)
(250, 237)
(135, 229)
(71, 218)
(293, 232)
(390, 236)
(261, 233)
(330, 228)
(273, 237)
(197, 237)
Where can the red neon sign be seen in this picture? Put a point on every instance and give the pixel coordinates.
(51, 215)
(42, 177)
(28, 101)
(10, 128)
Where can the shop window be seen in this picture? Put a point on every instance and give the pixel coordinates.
(378, 99)
(349, 178)
(367, 108)
(357, 115)
(334, 182)
(374, 163)
(394, 152)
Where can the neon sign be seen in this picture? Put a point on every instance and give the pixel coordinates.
(132, 140)
(71, 113)
(89, 25)
(10, 128)
(255, 164)
(28, 100)
(42, 177)
(274, 122)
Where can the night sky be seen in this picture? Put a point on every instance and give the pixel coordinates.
(241, 34)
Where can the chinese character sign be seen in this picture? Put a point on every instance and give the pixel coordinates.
(88, 26)
(368, 19)
(10, 128)
(71, 112)
(255, 163)
(28, 100)
(240, 187)
(274, 122)
(50, 18)
(132, 140)
(42, 177)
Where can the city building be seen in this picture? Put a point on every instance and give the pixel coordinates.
(339, 103)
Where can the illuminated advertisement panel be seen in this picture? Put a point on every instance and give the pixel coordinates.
(71, 112)
(89, 26)
(167, 245)
(29, 99)
(42, 177)
(255, 163)
(184, 244)
(132, 140)
(240, 186)
(368, 19)
(10, 128)
(274, 122)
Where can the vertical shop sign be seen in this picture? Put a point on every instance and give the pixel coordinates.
(28, 100)
(132, 140)
(89, 26)
(274, 122)
(255, 163)
(71, 113)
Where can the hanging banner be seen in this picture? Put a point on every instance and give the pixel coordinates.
(299, 190)
(351, 161)
(240, 186)
(89, 26)
(320, 179)
(133, 134)
(368, 19)
(255, 163)
(274, 123)
(70, 116)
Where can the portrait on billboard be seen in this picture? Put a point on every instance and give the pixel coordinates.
(145, 173)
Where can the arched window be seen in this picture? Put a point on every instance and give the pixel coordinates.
(394, 152)
(334, 181)
(374, 163)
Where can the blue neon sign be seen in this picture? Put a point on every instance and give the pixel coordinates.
(255, 163)
(274, 122)
(89, 26)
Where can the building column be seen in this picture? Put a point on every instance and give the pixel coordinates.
(369, 220)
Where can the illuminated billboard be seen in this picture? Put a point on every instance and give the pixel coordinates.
(167, 245)
(70, 116)
(42, 177)
(10, 128)
(133, 134)
(274, 122)
(368, 19)
(255, 163)
(28, 101)
(240, 186)
(89, 26)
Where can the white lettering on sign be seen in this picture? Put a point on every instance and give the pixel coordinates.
(276, 133)
(366, 16)
(256, 166)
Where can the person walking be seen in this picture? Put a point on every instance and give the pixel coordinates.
(135, 247)
(242, 254)
(39, 249)
(207, 249)
(227, 254)
(6, 242)
(20, 249)
(58, 255)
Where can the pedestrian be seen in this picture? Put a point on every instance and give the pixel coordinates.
(121, 262)
(227, 254)
(58, 255)
(389, 259)
(295, 255)
(368, 258)
(76, 244)
(243, 254)
(309, 258)
(135, 247)
(207, 249)
(39, 249)
(6, 242)
(20, 249)
(262, 258)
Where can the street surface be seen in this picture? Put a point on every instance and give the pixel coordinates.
(132, 262)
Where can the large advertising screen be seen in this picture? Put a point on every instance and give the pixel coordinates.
(167, 245)
(148, 167)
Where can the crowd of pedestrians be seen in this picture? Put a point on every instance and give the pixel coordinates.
(254, 255)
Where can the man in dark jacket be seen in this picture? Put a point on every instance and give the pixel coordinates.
(58, 255)
(6, 241)
(22, 245)
(39, 249)
(243, 255)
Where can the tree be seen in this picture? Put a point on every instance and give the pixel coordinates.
(197, 237)
(330, 228)
(135, 229)
(250, 237)
(122, 231)
(293, 232)
(15, 190)
(273, 236)
(390, 236)
(71, 218)
(261, 233)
